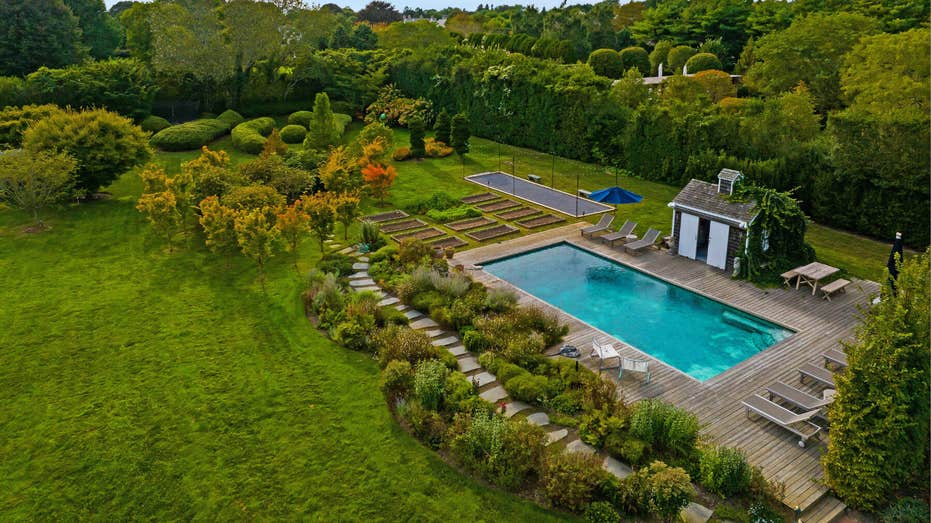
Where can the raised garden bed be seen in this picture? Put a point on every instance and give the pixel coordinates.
(385, 216)
(483, 197)
(493, 232)
(517, 213)
(402, 226)
(540, 221)
(419, 235)
(497, 206)
(471, 223)
(445, 243)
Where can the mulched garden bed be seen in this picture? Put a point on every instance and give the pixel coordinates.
(540, 221)
(497, 206)
(402, 226)
(385, 216)
(483, 197)
(470, 223)
(445, 243)
(419, 235)
(517, 213)
(493, 232)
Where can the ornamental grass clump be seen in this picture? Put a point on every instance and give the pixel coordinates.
(667, 428)
(725, 471)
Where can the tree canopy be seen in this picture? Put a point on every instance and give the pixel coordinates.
(36, 33)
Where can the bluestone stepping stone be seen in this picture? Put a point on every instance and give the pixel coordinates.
(363, 258)
(401, 307)
(413, 314)
(556, 435)
(449, 340)
(358, 275)
(616, 468)
(347, 250)
(580, 446)
(365, 282)
(538, 418)
(359, 266)
(514, 407)
(457, 350)
(695, 513)
(424, 323)
(468, 364)
(433, 333)
(483, 378)
(494, 395)
(388, 301)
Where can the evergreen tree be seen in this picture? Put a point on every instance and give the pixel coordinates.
(417, 129)
(36, 33)
(442, 127)
(459, 134)
(321, 133)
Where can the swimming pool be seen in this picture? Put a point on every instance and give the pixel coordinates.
(697, 335)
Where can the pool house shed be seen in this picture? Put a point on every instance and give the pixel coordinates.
(708, 227)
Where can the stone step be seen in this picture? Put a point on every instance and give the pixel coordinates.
(556, 435)
(374, 288)
(457, 350)
(449, 340)
(580, 446)
(360, 266)
(401, 307)
(514, 407)
(433, 333)
(424, 323)
(615, 467)
(329, 241)
(358, 275)
(483, 378)
(695, 513)
(363, 258)
(413, 314)
(347, 250)
(391, 300)
(539, 419)
(494, 395)
(362, 283)
(469, 364)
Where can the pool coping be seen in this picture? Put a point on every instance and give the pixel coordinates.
(577, 216)
(708, 382)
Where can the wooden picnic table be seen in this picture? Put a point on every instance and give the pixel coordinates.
(813, 273)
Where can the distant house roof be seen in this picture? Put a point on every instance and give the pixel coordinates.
(728, 174)
(702, 196)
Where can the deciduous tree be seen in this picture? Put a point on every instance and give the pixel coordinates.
(378, 12)
(161, 209)
(34, 181)
(219, 224)
(346, 207)
(320, 215)
(257, 237)
(36, 33)
(293, 224)
(378, 179)
(340, 172)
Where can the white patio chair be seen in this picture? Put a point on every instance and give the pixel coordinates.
(634, 366)
(604, 352)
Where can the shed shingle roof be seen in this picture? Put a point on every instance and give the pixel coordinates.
(704, 196)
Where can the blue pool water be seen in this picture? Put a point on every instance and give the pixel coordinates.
(699, 336)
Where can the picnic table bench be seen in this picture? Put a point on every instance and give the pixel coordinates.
(838, 285)
(534, 178)
(812, 274)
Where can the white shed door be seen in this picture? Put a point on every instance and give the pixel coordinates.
(717, 244)
(688, 235)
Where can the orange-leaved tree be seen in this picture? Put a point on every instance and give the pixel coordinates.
(378, 178)
(320, 215)
(293, 224)
(257, 237)
(219, 224)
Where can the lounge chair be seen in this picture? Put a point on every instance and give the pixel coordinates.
(604, 352)
(816, 373)
(602, 225)
(634, 366)
(640, 245)
(621, 234)
(797, 424)
(838, 358)
(798, 398)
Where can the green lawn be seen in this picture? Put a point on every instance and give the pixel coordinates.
(139, 384)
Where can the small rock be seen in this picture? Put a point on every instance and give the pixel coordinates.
(538, 418)
(556, 435)
(494, 395)
(580, 446)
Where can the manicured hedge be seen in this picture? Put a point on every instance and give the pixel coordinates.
(703, 62)
(301, 118)
(342, 121)
(154, 124)
(231, 117)
(293, 133)
(249, 137)
(189, 135)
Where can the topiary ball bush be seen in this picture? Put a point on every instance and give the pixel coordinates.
(189, 135)
(231, 117)
(606, 62)
(249, 137)
(635, 57)
(154, 124)
(703, 62)
(301, 118)
(293, 133)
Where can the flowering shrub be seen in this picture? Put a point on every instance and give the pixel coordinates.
(398, 109)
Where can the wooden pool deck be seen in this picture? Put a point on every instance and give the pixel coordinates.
(819, 325)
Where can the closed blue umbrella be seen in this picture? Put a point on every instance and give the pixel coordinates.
(615, 195)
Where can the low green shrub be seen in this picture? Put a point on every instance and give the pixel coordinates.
(724, 471)
(762, 513)
(907, 510)
(500, 300)
(396, 381)
(390, 316)
(401, 153)
(403, 343)
(301, 118)
(658, 489)
(427, 425)
(293, 133)
(430, 382)
(231, 117)
(596, 425)
(15, 120)
(601, 512)
(456, 213)
(665, 427)
(569, 402)
(189, 136)
(506, 452)
(354, 334)
(324, 296)
(460, 394)
(527, 387)
(249, 137)
(569, 479)
(412, 251)
(625, 447)
(385, 253)
(154, 124)
(438, 201)
(336, 263)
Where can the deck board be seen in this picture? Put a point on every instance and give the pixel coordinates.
(819, 326)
